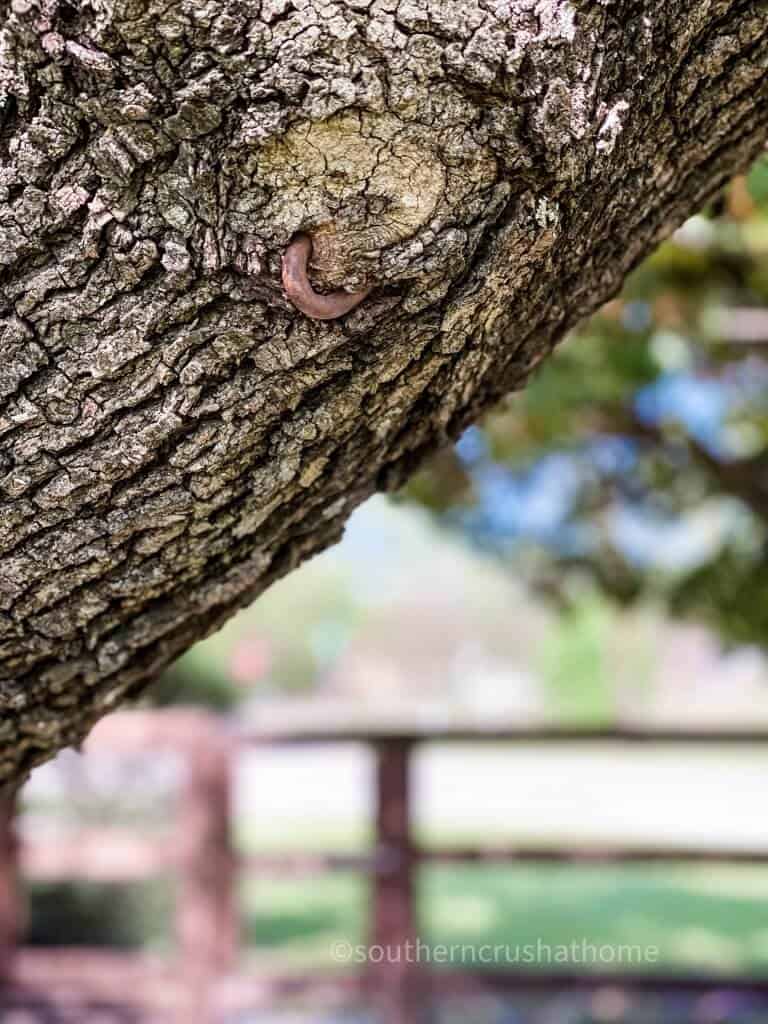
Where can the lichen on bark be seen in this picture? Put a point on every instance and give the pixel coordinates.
(174, 435)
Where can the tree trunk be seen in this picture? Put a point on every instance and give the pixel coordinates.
(174, 433)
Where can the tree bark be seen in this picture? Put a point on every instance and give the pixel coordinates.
(174, 434)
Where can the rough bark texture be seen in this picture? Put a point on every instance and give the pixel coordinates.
(174, 435)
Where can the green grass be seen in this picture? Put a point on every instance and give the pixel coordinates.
(295, 923)
(121, 916)
(701, 919)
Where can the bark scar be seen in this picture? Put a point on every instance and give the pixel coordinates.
(302, 294)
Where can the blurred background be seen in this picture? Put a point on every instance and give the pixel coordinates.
(591, 557)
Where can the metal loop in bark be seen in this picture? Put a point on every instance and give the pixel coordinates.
(302, 294)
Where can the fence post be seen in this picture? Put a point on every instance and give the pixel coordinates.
(10, 899)
(393, 973)
(206, 916)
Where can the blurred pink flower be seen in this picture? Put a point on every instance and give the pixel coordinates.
(251, 661)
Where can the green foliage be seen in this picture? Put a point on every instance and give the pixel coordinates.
(573, 669)
(658, 407)
(94, 914)
(758, 182)
(559, 406)
(196, 678)
(731, 594)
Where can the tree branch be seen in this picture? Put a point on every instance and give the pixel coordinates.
(174, 434)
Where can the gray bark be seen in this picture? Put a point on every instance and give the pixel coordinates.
(174, 435)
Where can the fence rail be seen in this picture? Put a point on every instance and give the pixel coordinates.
(203, 980)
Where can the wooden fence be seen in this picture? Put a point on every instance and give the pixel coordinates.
(203, 981)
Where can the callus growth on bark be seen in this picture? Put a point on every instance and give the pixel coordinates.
(174, 432)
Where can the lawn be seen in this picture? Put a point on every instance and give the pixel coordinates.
(699, 919)
(703, 919)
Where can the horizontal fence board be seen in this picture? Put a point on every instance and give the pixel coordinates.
(523, 734)
(202, 855)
